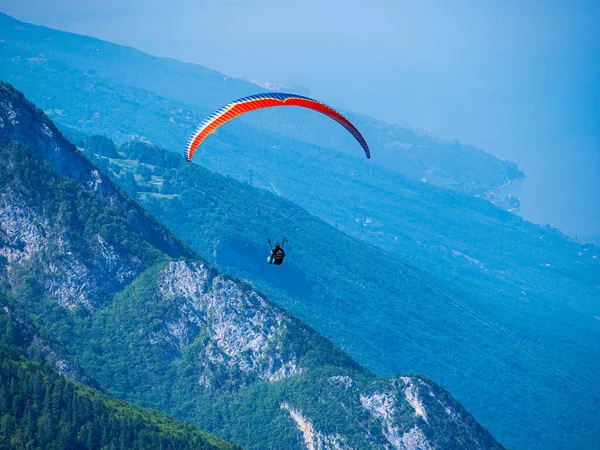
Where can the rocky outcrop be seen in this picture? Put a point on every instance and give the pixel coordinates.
(313, 439)
(244, 334)
(31, 242)
(22, 231)
(382, 407)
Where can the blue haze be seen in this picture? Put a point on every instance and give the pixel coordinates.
(518, 78)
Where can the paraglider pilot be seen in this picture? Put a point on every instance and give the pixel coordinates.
(277, 253)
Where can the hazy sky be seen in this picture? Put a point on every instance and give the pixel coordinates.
(519, 78)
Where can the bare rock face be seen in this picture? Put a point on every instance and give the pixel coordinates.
(23, 124)
(313, 439)
(403, 414)
(29, 241)
(22, 231)
(47, 231)
(244, 334)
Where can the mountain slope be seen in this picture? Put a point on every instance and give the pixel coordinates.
(168, 331)
(41, 409)
(479, 337)
(518, 336)
(22, 334)
(100, 87)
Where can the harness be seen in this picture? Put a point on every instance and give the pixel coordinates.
(277, 254)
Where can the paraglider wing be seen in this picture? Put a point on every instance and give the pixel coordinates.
(259, 101)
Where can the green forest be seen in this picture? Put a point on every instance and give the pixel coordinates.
(40, 409)
(43, 410)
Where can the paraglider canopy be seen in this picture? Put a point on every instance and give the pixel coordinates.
(259, 101)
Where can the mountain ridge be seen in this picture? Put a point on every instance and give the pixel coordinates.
(175, 328)
(173, 84)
